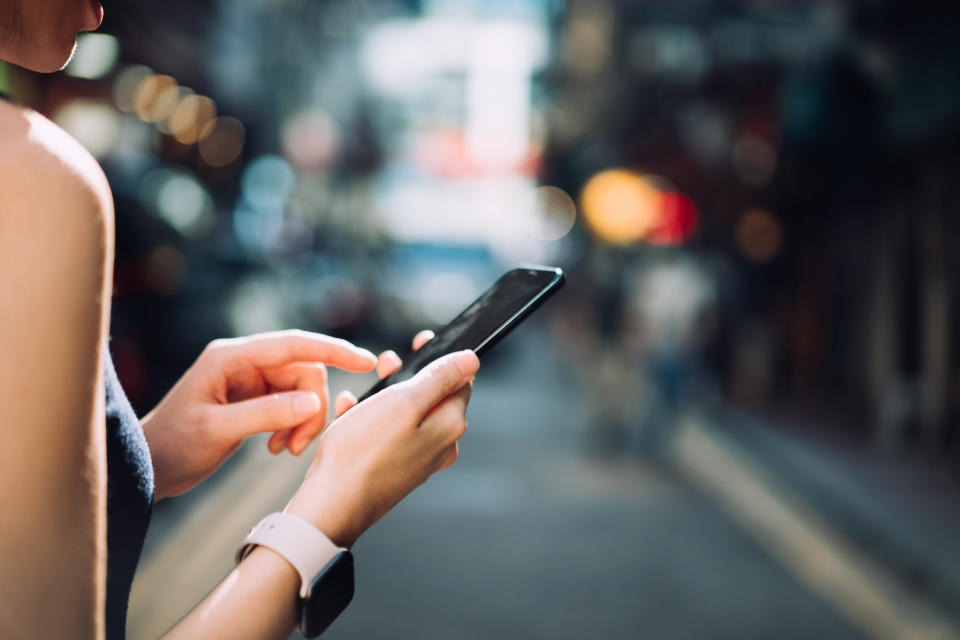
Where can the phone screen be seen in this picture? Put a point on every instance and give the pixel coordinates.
(487, 320)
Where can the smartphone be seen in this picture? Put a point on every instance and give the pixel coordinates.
(511, 299)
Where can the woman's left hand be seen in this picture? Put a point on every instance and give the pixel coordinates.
(267, 382)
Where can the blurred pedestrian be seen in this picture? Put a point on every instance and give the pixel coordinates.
(671, 301)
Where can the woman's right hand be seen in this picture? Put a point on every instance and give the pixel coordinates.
(383, 448)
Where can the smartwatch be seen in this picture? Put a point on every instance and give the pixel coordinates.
(326, 570)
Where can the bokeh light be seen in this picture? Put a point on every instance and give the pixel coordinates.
(154, 97)
(95, 56)
(758, 236)
(256, 304)
(167, 104)
(677, 220)
(268, 182)
(221, 141)
(125, 86)
(179, 198)
(553, 213)
(311, 139)
(95, 124)
(257, 230)
(620, 206)
(191, 115)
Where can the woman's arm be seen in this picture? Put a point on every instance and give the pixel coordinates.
(366, 462)
(55, 256)
(257, 600)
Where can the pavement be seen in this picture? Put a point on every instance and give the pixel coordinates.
(530, 536)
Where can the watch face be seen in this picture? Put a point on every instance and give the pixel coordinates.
(330, 593)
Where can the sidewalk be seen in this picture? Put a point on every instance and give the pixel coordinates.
(892, 520)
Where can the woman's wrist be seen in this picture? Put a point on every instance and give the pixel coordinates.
(328, 508)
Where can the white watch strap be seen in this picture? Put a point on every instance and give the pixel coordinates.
(303, 545)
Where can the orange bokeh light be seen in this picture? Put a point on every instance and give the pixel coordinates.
(221, 141)
(622, 206)
(190, 117)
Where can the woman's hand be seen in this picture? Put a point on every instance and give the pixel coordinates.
(266, 382)
(381, 449)
(387, 363)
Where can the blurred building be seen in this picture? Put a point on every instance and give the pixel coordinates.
(816, 141)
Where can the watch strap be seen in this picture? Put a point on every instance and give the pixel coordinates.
(303, 545)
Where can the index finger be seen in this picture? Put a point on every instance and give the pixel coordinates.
(278, 348)
(422, 338)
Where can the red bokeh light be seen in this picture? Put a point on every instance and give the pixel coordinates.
(676, 222)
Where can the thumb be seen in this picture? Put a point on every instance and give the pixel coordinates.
(269, 413)
(441, 378)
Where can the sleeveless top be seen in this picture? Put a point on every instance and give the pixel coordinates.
(129, 499)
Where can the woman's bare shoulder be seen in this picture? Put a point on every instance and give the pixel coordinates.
(56, 238)
(55, 265)
(41, 164)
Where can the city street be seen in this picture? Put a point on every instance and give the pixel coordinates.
(525, 537)
(738, 420)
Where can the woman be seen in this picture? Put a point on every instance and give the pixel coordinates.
(68, 544)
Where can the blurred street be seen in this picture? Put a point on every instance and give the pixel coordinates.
(741, 416)
(528, 536)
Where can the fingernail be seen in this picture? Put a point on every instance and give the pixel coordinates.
(306, 404)
(366, 354)
(281, 443)
(298, 446)
(467, 362)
